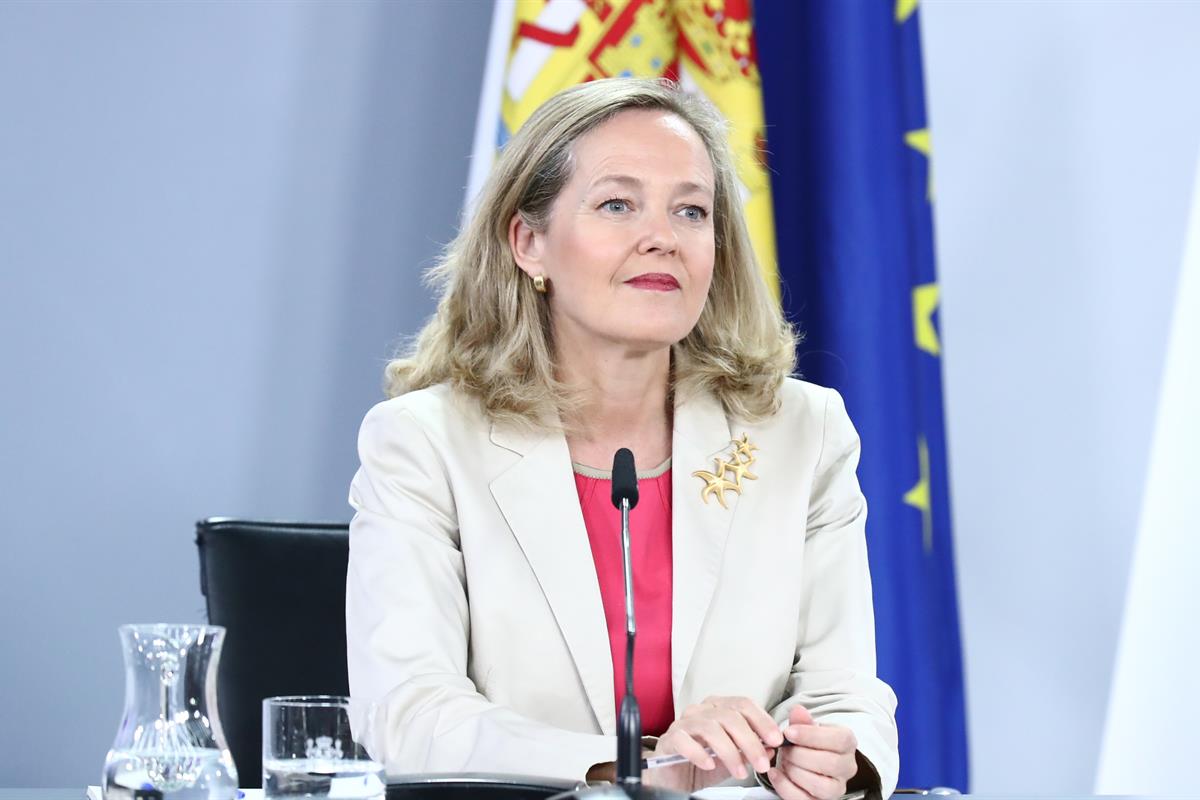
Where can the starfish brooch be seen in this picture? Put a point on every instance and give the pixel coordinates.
(728, 473)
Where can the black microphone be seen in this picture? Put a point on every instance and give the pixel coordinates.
(629, 726)
(629, 784)
(624, 478)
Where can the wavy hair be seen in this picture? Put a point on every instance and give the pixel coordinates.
(490, 337)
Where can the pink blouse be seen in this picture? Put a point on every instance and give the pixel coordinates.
(650, 548)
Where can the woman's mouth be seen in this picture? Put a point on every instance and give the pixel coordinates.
(654, 281)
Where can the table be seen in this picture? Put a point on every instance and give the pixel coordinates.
(80, 792)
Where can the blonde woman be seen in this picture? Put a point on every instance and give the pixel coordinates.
(605, 295)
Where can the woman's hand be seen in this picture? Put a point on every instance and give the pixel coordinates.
(818, 761)
(736, 729)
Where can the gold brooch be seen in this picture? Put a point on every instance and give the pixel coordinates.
(717, 483)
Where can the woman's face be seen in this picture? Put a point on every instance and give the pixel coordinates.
(629, 248)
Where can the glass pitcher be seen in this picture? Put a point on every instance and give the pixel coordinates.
(170, 745)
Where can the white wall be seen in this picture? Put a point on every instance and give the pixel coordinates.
(212, 220)
(1065, 135)
(1160, 641)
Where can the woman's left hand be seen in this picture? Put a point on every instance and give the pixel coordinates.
(819, 761)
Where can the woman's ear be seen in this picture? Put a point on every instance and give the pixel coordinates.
(526, 245)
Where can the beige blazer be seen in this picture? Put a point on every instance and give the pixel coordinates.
(473, 614)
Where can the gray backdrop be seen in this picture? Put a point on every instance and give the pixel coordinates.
(213, 218)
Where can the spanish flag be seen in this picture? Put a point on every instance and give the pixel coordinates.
(540, 47)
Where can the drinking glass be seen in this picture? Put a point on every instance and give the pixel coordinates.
(310, 751)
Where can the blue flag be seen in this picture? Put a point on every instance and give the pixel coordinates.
(849, 156)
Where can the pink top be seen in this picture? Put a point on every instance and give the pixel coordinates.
(650, 547)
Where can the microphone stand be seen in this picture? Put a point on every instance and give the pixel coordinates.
(629, 784)
(629, 743)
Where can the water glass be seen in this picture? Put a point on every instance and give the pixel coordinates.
(310, 751)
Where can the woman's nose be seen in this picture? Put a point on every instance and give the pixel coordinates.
(659, 236)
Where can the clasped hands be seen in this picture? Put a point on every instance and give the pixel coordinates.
(814, 762)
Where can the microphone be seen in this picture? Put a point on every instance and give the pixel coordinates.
(629, 784)
(624, 481)
(629, 727)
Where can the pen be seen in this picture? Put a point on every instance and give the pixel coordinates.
(666, 761)
(675, 758)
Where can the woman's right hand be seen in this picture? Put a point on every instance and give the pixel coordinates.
(735, 728)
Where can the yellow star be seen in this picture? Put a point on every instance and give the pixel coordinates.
(904, 10)
(715, 484)
(919, 140)
(925, 302)
(744, 448)
(918, 496)
(740, 469)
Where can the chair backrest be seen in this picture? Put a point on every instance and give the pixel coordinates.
(279, 589)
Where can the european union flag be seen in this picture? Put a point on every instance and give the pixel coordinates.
(849, 155)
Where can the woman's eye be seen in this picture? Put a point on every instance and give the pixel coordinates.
(616, 206)
(695, 213)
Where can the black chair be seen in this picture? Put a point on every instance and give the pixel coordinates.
(279, 589)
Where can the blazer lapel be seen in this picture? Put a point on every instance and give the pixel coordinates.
(699, 529)
(541, 505)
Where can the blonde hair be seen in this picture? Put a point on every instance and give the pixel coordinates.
(490, 337)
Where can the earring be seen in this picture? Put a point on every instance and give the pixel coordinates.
(540, 284)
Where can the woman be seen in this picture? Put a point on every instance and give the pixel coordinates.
(605, 295)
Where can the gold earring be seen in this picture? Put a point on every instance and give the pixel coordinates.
(539, 284)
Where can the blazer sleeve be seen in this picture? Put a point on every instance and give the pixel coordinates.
(407, 625)
(833, 674)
